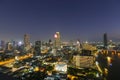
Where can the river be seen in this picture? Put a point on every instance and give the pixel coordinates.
(110, 65)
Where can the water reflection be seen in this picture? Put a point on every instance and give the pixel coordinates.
(109, 64)
(109, 61)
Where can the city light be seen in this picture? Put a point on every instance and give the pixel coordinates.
(109, 59)
(106, 70)
(61, 67)
(20, 43)
(97, 65)
(55, 36)
(65, 40)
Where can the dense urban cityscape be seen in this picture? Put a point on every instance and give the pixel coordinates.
(59, 40)
(57, 60)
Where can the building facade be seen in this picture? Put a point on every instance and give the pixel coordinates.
(37, 48)
(57, 42)
(105, 41)
(27, 42)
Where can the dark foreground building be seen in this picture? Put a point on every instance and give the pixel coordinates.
(6, 77)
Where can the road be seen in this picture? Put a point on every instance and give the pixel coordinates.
(3, 63)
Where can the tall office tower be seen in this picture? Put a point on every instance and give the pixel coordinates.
(27, 42)
(37, 48)
(50, 43)
(105, 40)
(9, 46)
(13, 43)
(57, 40)
(79, 45)
(2, 44)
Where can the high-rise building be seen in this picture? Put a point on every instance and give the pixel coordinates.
(9, 46)
(79, 45)
(37, 48)
(105, 41)
(14, 44)
(27, 41)
(49, 44)
(57, 40)
(2, 44)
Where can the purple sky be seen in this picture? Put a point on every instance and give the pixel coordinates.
(74, 19)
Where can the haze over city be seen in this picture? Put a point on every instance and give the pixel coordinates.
(78, 19)
(59, 39)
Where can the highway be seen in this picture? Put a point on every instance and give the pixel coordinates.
(2, 63)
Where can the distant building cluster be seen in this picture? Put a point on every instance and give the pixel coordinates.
(53, 46)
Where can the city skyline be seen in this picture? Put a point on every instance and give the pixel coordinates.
(83, 19)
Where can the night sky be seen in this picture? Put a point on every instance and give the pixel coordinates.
(74, 19)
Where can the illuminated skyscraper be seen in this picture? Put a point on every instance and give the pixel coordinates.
(9, 46)
(105, 40)
(57, 40)
(26, 41)
(79, 45)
